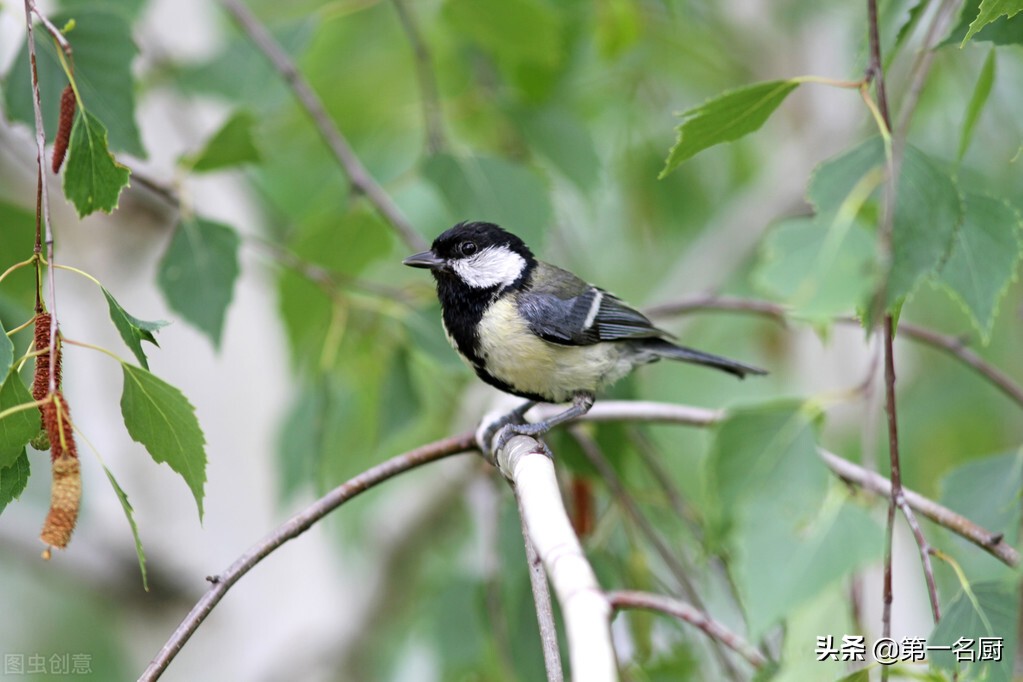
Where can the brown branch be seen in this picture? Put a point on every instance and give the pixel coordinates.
(952, 345)
(432, 118)
(42, 193)
(357, 173)
(292, 528)
(876, 74)
(542, 602)
(628, 599)
(992, 543)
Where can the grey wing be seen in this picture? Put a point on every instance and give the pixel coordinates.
(561, 308)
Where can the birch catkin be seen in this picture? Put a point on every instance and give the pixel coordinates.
(68, 104)
(66, 482)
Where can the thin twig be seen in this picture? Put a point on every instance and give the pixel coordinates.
(542, 601)
(357, 173)
(292, 528)
(42, 193)
(629, 599)
(925, 550)
(953, 345)
(876, 73)
(55, 32)
(607, 472)
(993, 543)
(711, 302)
(922, 65)
(432, 118)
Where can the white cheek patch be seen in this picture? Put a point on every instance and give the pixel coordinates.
(490, 267)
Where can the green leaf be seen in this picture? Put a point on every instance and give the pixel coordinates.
(759, 452)
(13, 479)
(990, 10)
(104, 52)
(928, 210)
(566, 143)
(129, 514)
(492, 189)
(767, 487)
(133, 330)
(1002, 31)
(160, 417)
(988, 492)
(399, 400)
(346, 242)
(984, 258)
(915, 13)
(198, 272)
(819, 269)
(232, 145)
(93, 179)
(978, 99)
(6, 351)
(129, 8)
(984, 610)
(17, 428)
(515, 30)
(725, 118)
(779, 566)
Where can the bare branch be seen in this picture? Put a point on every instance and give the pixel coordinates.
(292, 528)
(584, 608)
(357, 174)
(432, 118)
(628, 599)
(922, 65)
(925, 554)
(993, 543)
(953, 345)
(544, 608)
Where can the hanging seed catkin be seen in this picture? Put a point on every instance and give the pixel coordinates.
(68, 104)
(66, 482)
(41, 380)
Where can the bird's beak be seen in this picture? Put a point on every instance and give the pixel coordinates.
(424, 259)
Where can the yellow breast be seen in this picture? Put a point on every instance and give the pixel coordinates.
(515, 355)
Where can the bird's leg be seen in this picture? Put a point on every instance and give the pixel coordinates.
(516, 416)
(581, 404)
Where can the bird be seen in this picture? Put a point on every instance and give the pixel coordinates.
(537, 331)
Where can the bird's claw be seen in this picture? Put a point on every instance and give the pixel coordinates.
(509, 431)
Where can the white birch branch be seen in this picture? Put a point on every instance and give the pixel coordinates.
(585, 608)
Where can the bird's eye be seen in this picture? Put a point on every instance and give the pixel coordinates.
(467, 248)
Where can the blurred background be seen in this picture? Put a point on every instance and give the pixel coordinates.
(554, 120)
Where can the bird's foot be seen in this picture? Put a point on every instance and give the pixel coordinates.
(485, 436)
(509, 431)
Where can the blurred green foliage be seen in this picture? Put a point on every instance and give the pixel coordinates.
(555, 120)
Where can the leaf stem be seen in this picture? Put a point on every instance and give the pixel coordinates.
(18, 266)
(83, 344)
(83, 273)
(35, 404)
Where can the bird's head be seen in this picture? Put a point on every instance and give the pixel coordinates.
(481, 255)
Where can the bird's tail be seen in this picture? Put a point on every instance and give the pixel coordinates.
(659, 348)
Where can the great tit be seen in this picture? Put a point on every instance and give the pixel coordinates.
(537, 331)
